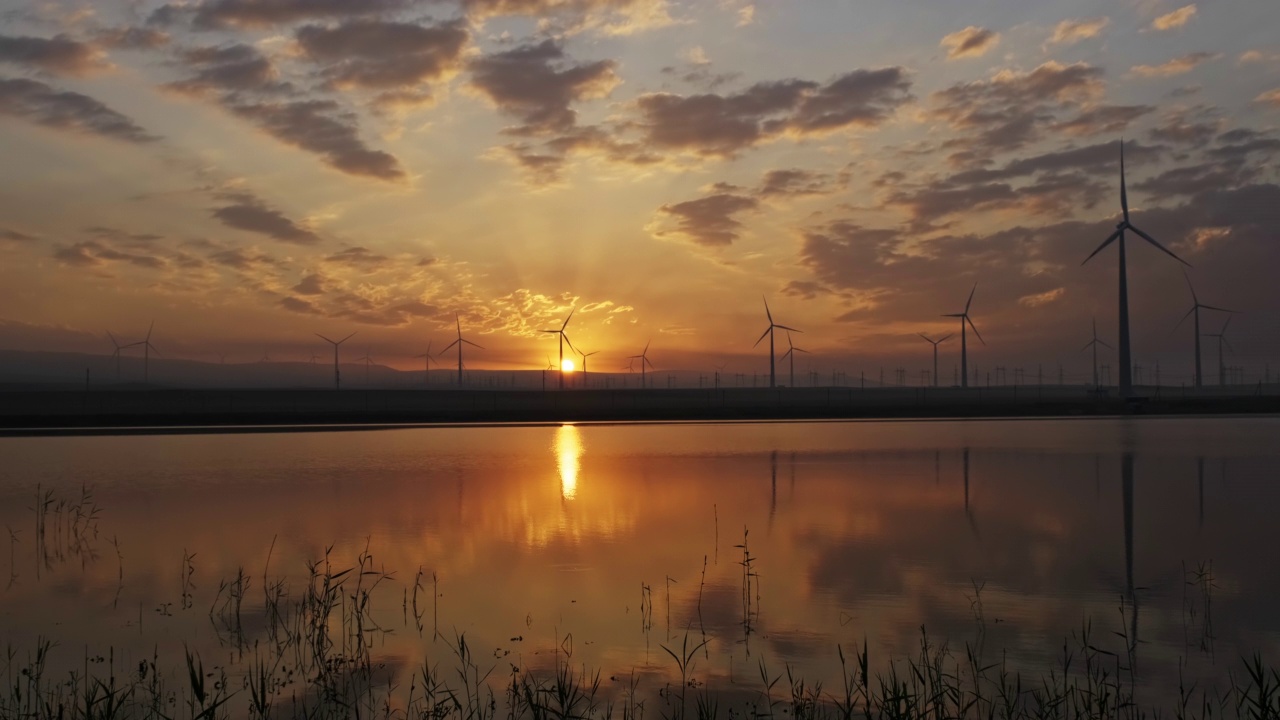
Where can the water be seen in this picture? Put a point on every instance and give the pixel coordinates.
(599, 544)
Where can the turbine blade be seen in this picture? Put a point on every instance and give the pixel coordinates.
(766, 309)
(801, 350)
(1227, 342)
(325, 338)
(347, 338)
(766, 332)
(926, 337)
(1124, 193)
(569, 342)
(1224, 326)
(647, 360)
(959, 315)
(784, 327)
(946, 337)
(1105, 345)
(975, 329)
(1184, 318)
(1105, 243)
(970, 300)
(446, 347)
(1191, 287)
(1211, 307)
(473, 344)
(154, 349)
(1152, 240)
(1088, 345)
(566, 320)
(150, 328)
(646, 348)
(785, 354)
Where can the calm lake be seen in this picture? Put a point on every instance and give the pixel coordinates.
(594, 546)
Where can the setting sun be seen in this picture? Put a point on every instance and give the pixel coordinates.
(566, 366)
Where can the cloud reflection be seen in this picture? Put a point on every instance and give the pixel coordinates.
(568, 450)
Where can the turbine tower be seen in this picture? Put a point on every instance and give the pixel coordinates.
(147, 347)
(964, 339)
(1196, 307)
(459, 342)
(563, 339)
(644, 360)
(426, 373)
(1094, 343)
(769, 331)
(115, 354)
(935, 344)
(1126, 365)
(1222, 363)
(584, 364)
(337, 374)
(791, 351)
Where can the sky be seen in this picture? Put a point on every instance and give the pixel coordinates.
(247, 173)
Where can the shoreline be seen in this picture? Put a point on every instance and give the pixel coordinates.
(105, 412)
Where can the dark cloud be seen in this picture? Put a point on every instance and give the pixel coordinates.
(394, 315)
(241, 259)
(59, 55)
(92, 253)
(1109, 119)
(299, 306)
(378, 55)
(700, 75)
(723, 125)
(360, 257)
(795, 181)
(13, 236)
(124, 237)
(310, 285)
(217, 14)
(248, 213)
(229, 69)
(1183, 128)
(133, 38)
(805, 289)
(536, 84)
(709, 221)
(1196, 179)
(43, 105)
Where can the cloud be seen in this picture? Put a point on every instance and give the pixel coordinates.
(8, 235)
(248, 213)
(1109, 119)
(241, 259)
(221, 14)
(69, 111)
(380, 55)
(92, 253)
(724, 125)
(59, 55)
(1270, 97)
(537, 84)
(360, 257)
(793, 182)
(310, 285)
(970, 42)
(299, 306)
(1257, 56)
(563, 17)
(132, 38)
(1176, 66)
(708, 221)
(1070, 32)
(1041, 299)
(1175, 19)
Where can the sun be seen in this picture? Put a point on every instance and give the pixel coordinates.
(566, 366)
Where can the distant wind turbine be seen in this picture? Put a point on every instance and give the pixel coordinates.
(426, 372)
(1222, 363)
(791, 352)
(584, 364)
(964, 340)
(1094, 343)
(116, 352)
(769, 331)
(563, 339)
(459, 342)
(368, 360)
(935, 344)
(1126, 365)
(147, 347)
(337, 374)
(644, 360)
(1196, 307)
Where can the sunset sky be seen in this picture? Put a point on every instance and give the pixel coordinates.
(250, 172)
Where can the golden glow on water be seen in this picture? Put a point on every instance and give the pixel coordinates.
(568, 450)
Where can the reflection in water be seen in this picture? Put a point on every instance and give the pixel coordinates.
(568, 450)
(1126, 481)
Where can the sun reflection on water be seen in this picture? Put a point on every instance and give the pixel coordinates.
(568, 450)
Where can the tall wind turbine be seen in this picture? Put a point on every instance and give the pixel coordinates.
(1222, 363)
(791, 351)
(426, 373)
(1196, 307)
(1094, 343)
(964, 340)
(935, 344)
(644, 360)
(1126, 365)
(147, 347)
(115, 354)
(459, 342)
(584, 364)
(769, 331)
(563, 339)
(337, 375)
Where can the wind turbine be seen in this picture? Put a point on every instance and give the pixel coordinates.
(314, 358)
(1222, 340)
(337, 375)
(584, 364)
(1094, 343)
(935, 344)
(964, 340)
(769, 331)
(426, 373)
(644, 360)
(791, 351)
(116, 352)
(1126, 366)
(368, 360)
(459, 342)
(563, 339)
(147, 347)
(1195, 311)
(719, 369)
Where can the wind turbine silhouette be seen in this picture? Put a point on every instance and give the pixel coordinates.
(791, 351)
(584, 363)
(116, 352)
(459, 342)
(314, 358)
(644, 360)
(1222, 340)
(337, 375)
(563, 339)
(147, 347)
(426, 373)
(1196, 307)
(769, 331)
(719, 369)
(964, 340)
(1094, 343)
(935, 344)
(368, 360)
(1126, 366)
